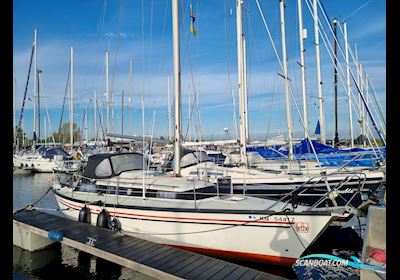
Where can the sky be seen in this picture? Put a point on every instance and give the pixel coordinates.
(141, 31)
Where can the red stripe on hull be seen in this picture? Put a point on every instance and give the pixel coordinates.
(68, 203)
(241, 256)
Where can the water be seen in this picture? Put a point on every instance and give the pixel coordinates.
(58, 261)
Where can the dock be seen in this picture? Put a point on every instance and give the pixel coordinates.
(31, 230)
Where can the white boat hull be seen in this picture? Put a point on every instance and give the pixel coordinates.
(45, 165)
(278, 238)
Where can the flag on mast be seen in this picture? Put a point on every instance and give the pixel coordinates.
(192, 20)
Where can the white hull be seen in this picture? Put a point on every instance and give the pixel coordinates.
(45, 165)
(257, 178)
(280, 238)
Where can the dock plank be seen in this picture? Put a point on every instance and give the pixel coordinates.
(192, 266)
(153, 259)
(184, 263)
(200, 269)
(238, 273)
(219, 265)
(166, 263)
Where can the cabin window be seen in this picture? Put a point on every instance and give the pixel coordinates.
(87, 188)
(103, 169)
(127, 162)
(166, 194)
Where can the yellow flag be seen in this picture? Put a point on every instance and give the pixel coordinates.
(193, 30)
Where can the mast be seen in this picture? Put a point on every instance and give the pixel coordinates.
(177, 87)
(131, 96)
(319, 80)
(34, 85)
(94, 115)
(71, 124)
(360, 87)
(302, 65)
(366, 101)
(246, 103)
(242, 100)
(122, 112)
(38, 102)
(285, 74)
(348, 86)
(189, 122)
(169, 111)
(107, 95)
(14, 107)
(336, 141)
(362, 106)
(45, 130)
(86, 124)
(234, 113)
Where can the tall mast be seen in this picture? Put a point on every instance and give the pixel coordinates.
(234, 113)
(14, 106)
(38, 102)
(45, 130)
(246, 101)
(366, 101)
(34, 83)
(336, 141)
(177, 87)
(131, 97)
(86, 124)
(242, 100)
(95, 115)
(362, 106)
(285, 74)
(71, 124)
(302, 65)
(107, 95)
(122, 113)
(359, 86)
(189, 122)
(348, 85)
(169, 111)
(319, 80)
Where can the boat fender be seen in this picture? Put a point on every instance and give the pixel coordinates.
(84, 215)
(103, 219)
(56, 235)
(115, 225)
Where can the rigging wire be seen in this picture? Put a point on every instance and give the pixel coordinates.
(26, 87)
(65, 96)
(327, 43)
(352, 75)
(357, 10)
(120, 17)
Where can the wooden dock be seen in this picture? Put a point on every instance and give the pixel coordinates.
(156, 260)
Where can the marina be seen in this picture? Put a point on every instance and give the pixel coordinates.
(105, 198)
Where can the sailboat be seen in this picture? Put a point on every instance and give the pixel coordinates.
(191, 214)
(43, 159)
